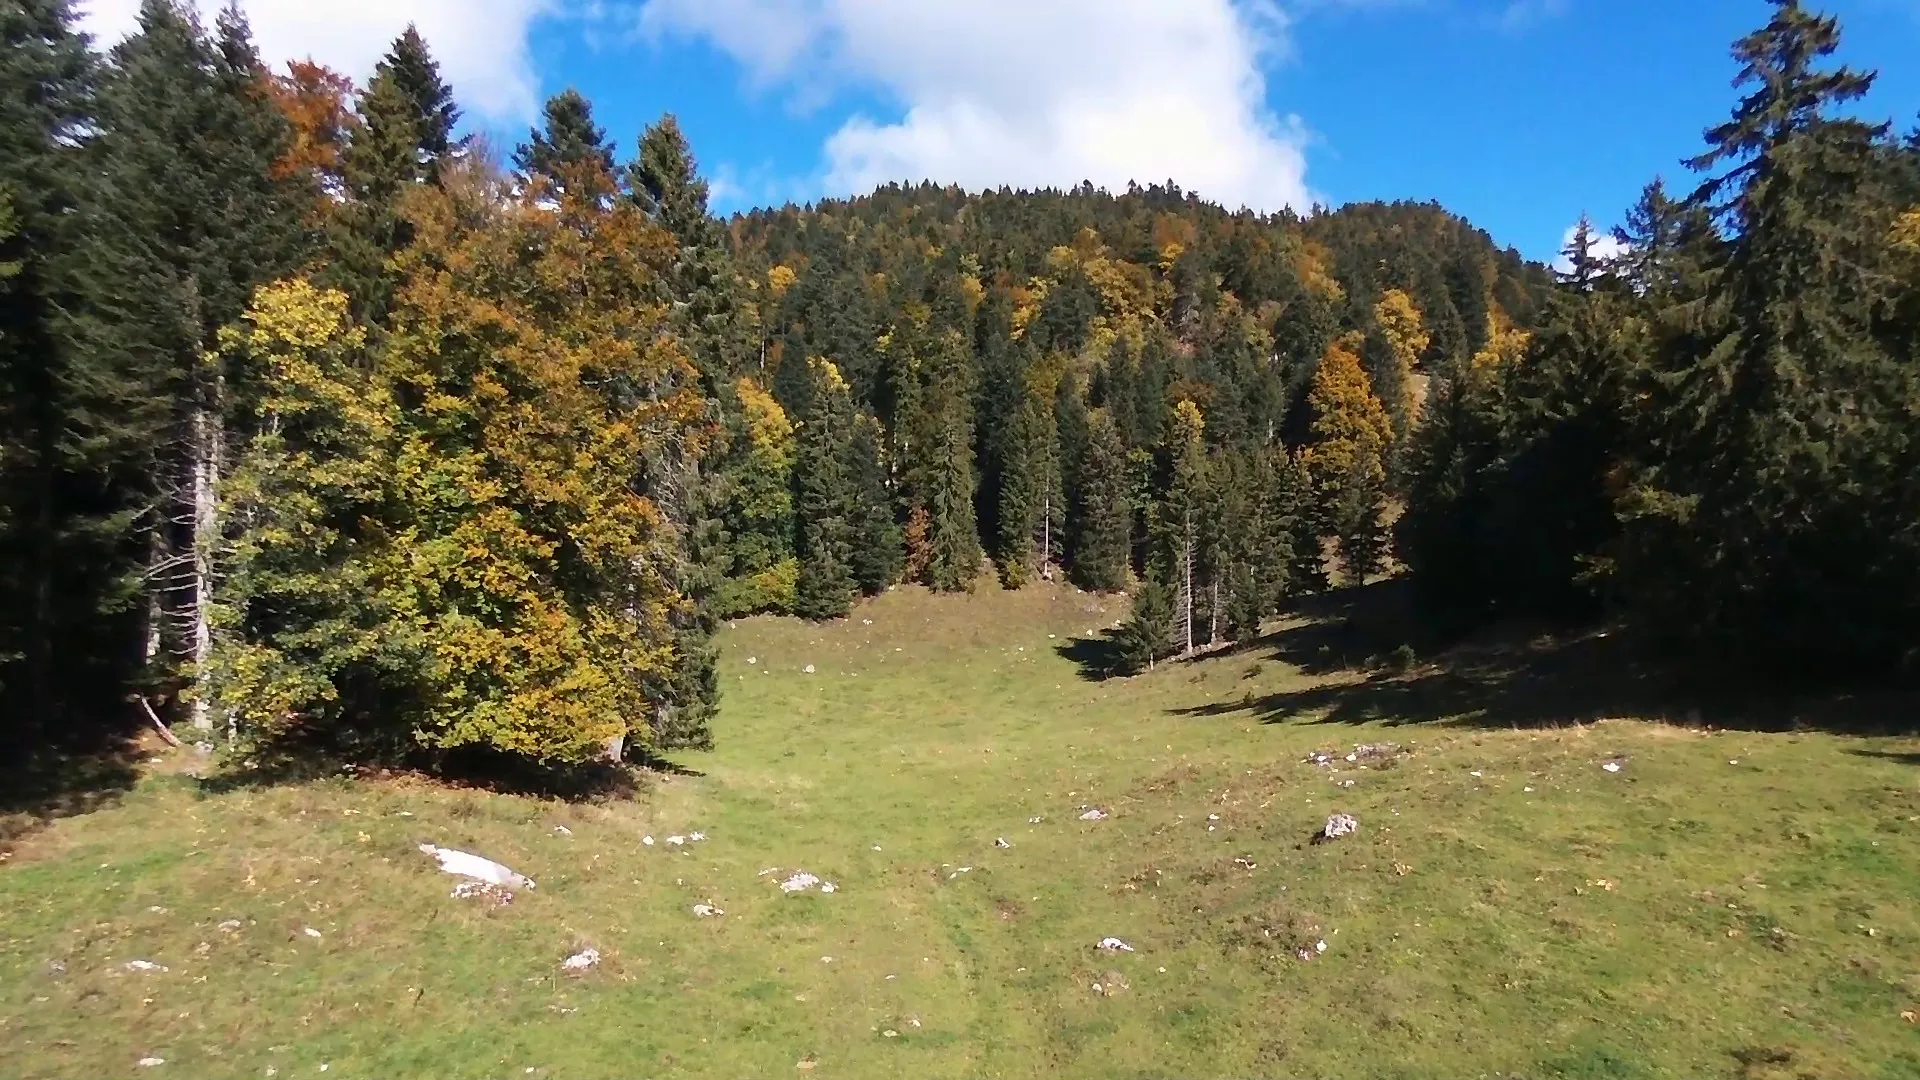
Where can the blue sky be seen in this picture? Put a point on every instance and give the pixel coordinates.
(1519, 114)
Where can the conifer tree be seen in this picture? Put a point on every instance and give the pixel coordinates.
(1018, 513)
(196, 214)
(878, 556)
(1098, 541)
(1183, 518)
(1784, 440)
(665, 180)
(823, 490)
(1147, 634)
(76, 412)
(410, 66)
(572, 151)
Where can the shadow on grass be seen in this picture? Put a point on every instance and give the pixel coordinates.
(1098, 658)
(1889, 755)
(80, 772)
(1528, 678)
(305, 761)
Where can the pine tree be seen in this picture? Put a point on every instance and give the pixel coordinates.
(1099, 525)
(1183, 519)
(573, 152)
(1782, 443)
(197, 214)
(823, 489)
(1147, 634)
(76, 412)
(878, 557)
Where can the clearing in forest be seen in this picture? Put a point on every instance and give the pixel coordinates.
(1730, 903)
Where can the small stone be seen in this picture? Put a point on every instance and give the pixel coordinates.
(1611, 766)
(310, 932)
(808, 669)
(150, 1062)
(889, 1034)
(1002, 843)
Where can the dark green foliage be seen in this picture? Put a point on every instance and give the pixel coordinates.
(572, 150)
(416, 75)
(878, 556)
(1147, 635)
(665, 180)
(194, 216)
(824, 501)
(1778, 491)
(1098, 539)
(74, 412)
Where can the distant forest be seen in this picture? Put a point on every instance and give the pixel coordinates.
(324, 430)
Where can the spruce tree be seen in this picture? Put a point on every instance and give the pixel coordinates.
(665, 180)
(572, 151)
(195, 215)
(823, 489)
(1099, 527)
(1183, 522)
(1147, 635)
(416, 75)
(878, 556)
(1785, 441)
(1018, 512)
(77, 416)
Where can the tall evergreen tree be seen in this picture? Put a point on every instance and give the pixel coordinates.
(76, 413)
(196, 215)
(1785, 439)
(823, 490)
(1100, 523)
(572, 151)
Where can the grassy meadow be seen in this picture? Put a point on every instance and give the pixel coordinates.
(1737, 902)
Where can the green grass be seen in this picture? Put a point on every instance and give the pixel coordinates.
(1685, 917)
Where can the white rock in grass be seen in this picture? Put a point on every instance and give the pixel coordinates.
(581, 960)
(473, 866)
(829, 887)
(676, 841)
(647, 840)
(1095, 814)
(1002, 843)
(1337, 826)
(1611, 766)
(706, 911)
(143, 965)
(808, 669)
(310, 932)
(799, 882)
(150, 1062)
(1113, 944)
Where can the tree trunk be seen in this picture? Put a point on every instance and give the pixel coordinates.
(208, 440)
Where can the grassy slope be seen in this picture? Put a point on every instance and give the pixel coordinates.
(1686, 917)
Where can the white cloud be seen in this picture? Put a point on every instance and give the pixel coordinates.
(481, 44)
(1605, 247)
(1027, 93)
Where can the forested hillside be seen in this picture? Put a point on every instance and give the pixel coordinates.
(327, 429)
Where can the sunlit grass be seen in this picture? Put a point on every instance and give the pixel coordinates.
(1508, 908)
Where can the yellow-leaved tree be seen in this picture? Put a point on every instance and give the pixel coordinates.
(472, 537)
(1347, 459)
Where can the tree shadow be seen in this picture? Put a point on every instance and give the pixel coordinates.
(1098, 658)
(84, 772)
(1531, 677)
(1890, 755)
